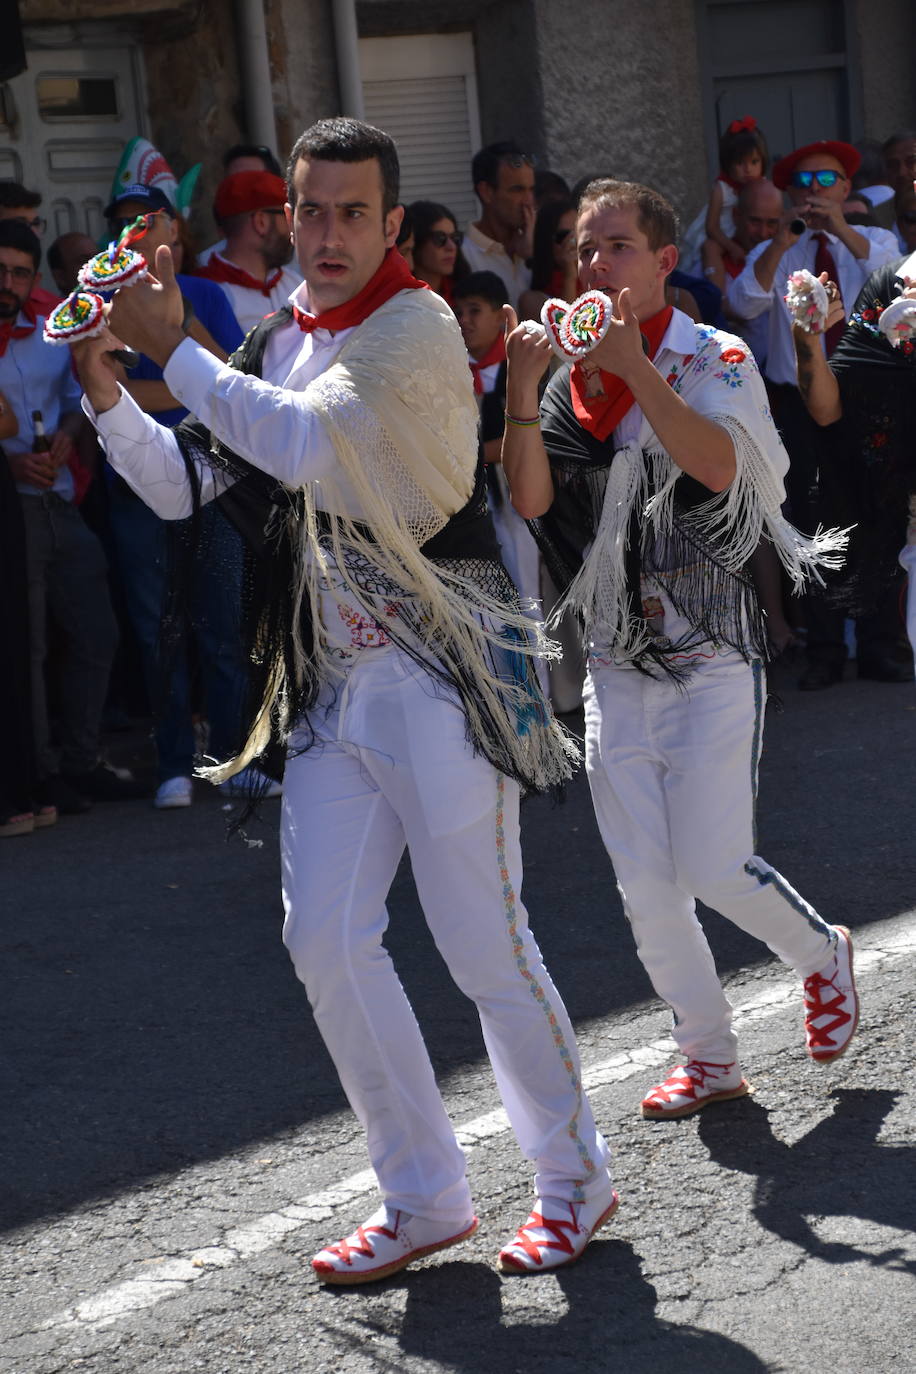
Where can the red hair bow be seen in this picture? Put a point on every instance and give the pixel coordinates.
(748, 122)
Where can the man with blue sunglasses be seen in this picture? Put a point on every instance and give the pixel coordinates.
(815, 235)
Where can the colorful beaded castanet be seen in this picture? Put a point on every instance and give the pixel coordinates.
(898, 321)
(807, 300)
(574, 330)
(119, 264)
(80, 316)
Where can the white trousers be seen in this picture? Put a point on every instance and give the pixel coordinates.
(673, 776)
(392, 767)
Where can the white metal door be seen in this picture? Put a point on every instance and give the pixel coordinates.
(63, 124)
(422, 90)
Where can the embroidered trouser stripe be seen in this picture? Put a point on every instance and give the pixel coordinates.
(393, 768)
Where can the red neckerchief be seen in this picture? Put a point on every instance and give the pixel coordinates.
(496, 353)
(10, 330)
(601, 415)
(392, 276)
(557, 282)
(219, 269)
(732, 267)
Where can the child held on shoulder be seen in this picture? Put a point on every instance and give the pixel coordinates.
(742, 158)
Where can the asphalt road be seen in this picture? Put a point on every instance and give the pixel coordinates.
(174, 1145)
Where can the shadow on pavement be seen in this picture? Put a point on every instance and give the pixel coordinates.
(454, 1320)
(150, 1018)
(839, 1169)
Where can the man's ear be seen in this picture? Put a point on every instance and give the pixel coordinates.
(484, 192)
(173, 230)
(393, 221)
(667, 259)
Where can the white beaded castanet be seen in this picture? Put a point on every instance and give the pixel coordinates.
(898, 321)
(574, 330)
(807, 300)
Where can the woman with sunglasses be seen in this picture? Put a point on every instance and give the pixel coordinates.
(437, 258)
(554, 271)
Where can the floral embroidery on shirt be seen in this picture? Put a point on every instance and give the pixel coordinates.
(730, 375)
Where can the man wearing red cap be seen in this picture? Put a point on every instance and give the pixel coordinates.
(817, 179)
(252, 268)
(391, 659)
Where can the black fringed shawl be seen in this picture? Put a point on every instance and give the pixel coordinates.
(868, 467)
(721, 605)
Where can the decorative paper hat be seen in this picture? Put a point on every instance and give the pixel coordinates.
(143, 165)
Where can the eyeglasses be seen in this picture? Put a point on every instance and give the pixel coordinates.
(37, 225)
(907, 219)
(22, 274)
(561, 236)
(517, 160)
(825, 178)
(118, 225)
(440, 238)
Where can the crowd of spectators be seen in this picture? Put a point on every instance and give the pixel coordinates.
(86, 563)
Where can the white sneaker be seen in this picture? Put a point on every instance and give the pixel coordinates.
(387, 1242)
(172, 793)
(251, 780)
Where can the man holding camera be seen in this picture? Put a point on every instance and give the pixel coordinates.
(813, 235)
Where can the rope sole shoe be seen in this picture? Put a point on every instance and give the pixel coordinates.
(555, 1234)
(386, 1243)
(832, 1004)
(691, 1086)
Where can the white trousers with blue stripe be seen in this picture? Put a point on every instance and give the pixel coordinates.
(673, 775)
(392, 768)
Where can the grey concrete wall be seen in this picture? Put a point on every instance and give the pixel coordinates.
(635, 112)
(884, 39)
(304, 66)
(510, 76)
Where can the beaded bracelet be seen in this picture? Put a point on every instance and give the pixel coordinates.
(523, 424)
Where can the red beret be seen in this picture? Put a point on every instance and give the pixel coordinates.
(246, 191)
(844, 153)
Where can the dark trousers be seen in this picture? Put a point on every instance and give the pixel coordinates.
(877, 632)
(67, 581)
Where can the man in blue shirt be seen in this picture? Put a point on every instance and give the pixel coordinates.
(141, 545)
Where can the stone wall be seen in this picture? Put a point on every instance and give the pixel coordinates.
(635, 111)
(884, 37)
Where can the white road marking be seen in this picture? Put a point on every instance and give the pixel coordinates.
(873, 948)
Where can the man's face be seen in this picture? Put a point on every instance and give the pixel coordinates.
(75, 249)
(614, 253)
(275, 240)
(25, 214)
(757, 215)
(161, 228)
(339, 230)
(17, 277)
(900, 163)
(820, 162)
(906, 219)
(511, 197)
(481, 324)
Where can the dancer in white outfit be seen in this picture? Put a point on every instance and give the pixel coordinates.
(656, 471)
(392, 655)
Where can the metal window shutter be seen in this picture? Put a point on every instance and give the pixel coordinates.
(428, 120)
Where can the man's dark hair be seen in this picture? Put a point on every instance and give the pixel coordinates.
(271, 164)
(349, 140)
(19, 236)
(486, 164)
(901, 136)
(654, 216)
(487, 286)
(13, 194)
(549, 185)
